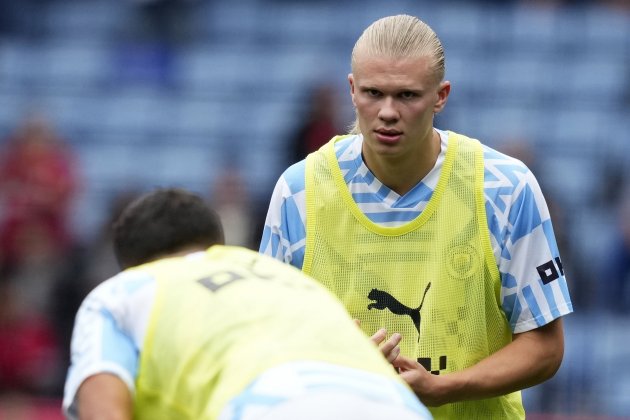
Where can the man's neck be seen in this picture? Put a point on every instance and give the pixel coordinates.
(401, 174)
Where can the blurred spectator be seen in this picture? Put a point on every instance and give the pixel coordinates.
(28, 348)
(37, 186)
(231, 199)
(100, 261)
(319, 125)
(615, 292)
(87, 266)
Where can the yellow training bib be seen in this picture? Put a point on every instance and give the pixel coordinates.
(434, 279)
(222, 317)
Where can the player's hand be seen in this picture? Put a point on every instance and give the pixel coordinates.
(389, 348)
(421, 381)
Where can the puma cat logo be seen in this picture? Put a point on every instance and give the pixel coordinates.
(384, 300)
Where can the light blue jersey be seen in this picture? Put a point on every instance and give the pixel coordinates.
(109, 331)
(534, 290)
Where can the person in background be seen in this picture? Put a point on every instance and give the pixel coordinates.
(197, 330)
(615, 296)
(429, 234)
(28, 349)
(318, 125)
(38, 183)
(232, 201)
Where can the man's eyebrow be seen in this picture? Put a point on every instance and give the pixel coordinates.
(418, 91)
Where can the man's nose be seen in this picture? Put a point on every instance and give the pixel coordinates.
(388, 110)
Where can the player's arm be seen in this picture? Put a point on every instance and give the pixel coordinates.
(536, 352)
(531, 358)
(274, 238)
(104, 397)
(101, 347)
(284, 231)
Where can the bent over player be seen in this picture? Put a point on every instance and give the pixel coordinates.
(192, 329)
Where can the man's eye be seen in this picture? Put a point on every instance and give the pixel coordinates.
(373, 92)
(408, 95)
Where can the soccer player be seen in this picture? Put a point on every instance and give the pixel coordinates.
(428, 233)
(192, 329)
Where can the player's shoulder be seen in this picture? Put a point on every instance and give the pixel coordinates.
(494, 156)
(292, 179)
(500, 169)
(121, 286)
(504, 170)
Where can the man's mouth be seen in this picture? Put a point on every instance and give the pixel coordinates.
(388, 136)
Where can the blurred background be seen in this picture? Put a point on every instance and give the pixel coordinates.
(103, 99)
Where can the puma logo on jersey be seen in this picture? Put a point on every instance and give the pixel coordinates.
(383, 300)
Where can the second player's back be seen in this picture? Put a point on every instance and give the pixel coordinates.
(232, 313)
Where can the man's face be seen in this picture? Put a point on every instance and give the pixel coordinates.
(395, 100)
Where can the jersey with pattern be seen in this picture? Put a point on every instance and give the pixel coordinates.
(521, 232)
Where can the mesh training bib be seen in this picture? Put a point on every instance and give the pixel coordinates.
(434, 279)
(220, 320)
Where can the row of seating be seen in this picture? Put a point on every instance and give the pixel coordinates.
(555, 78)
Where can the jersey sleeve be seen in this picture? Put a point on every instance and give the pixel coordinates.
(284, 234)
(107, 333)
(534, 288)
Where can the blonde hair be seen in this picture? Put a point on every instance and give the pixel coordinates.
(400, 36)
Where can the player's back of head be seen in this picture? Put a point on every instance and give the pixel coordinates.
(163, 222)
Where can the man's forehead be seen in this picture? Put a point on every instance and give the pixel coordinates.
(402, 69)
(391, 61)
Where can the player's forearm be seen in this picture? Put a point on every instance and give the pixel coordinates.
(104, 397)
(104, 413)
(532, 358)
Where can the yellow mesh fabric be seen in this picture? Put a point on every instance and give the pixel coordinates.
(434, 279)
(219, 321)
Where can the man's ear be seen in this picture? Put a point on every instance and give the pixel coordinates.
(351, 81)
(443, 92)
